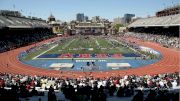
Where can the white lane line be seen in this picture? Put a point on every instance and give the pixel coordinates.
(45, 51)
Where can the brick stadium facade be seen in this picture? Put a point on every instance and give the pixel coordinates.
(168, 11)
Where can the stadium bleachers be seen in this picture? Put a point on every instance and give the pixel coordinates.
(17, 30)
(172, 20)
(21, 22)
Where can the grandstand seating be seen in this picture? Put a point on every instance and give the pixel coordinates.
(21, 22)
(19, 31)
(172, 20)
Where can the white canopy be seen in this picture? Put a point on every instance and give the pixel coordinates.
(61, 65)
(118, 65)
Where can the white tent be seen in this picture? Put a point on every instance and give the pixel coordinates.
(58, 66)
(118, 65)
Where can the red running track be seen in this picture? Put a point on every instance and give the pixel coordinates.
(168, 64)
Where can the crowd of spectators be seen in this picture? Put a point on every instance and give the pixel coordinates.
(160, 86)
(122, 40)
(165, 40)
(17, 39)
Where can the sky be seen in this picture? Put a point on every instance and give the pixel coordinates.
(66, 10)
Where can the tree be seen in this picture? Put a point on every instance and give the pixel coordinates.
(116, 26)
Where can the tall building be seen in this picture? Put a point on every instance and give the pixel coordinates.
(128, 17)
(86, 19)
(96, 19)
(124, 20)
(80, 17)
(118, 20)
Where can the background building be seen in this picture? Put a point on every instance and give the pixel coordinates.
(96, 19)
(124, 20)
(168, 11)
(57, 26)
(51, 18)
(86, 18)
(10, 13)
(128, 18)
(80, 17)
(89, 28)
(118, 20)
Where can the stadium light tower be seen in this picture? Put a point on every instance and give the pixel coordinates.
(14, 6)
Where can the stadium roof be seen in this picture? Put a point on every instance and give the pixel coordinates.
(172, 20)
(21, 22)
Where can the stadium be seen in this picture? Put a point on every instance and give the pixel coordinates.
(144, 56)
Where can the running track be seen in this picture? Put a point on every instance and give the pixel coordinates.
(168, 64)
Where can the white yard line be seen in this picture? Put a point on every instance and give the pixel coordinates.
(52, 48)
(45, 51)
(68, 43)
(127, 46)
(97, 43)
(110, 42)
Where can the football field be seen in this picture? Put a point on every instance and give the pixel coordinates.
(90, 45)
(82, 47)
(103, 53)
